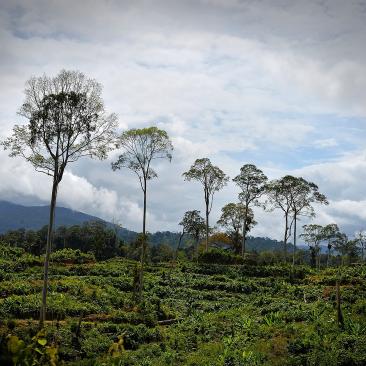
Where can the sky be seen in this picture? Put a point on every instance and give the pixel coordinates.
(279, 84)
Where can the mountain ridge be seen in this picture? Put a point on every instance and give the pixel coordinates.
(15, 216)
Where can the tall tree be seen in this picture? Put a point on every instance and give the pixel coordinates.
(329, 234)
(66, 120)
(279, 196)
(212, 178)
(194, 225)
(347, 248)
(140, 147)
(361, 239)
(252, 182)
(232, 219)
(313, 235)
(303, 195)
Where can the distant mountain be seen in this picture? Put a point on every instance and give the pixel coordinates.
(263, 244)
(14, 216)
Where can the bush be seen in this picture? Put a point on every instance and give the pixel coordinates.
(9, 252)
(220, 256)
(68, 255)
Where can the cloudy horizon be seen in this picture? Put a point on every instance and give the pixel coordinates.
(281, 85)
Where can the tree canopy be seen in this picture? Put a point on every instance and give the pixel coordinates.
(232, 219)
(252, 182)
(212, 179)
(140, 147)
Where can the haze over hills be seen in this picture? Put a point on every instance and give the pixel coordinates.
(15, 216)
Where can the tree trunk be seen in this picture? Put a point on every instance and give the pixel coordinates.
(339, 309)
(294, 249)
(244, 232)
(207, 224)
(144, 225)
(195, 254)
(42, 316)
(178, 247)
(143, 247)
(328, 256)
(285, 238)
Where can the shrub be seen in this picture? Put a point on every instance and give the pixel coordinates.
(68, 255)
(220, 256)
(9, 252)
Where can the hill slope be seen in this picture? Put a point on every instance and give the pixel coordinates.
(14, 216)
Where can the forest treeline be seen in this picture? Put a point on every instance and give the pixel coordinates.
(104, 241)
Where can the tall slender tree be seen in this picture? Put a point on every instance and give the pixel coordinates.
(194, 225)
(232, 219)
(347, 248)
(303, 195)
(361, 239)
(252, 182)
(140, 147)
(313, 235)
(66, 120)
(330, 234)
(279, 197)
(212, 179)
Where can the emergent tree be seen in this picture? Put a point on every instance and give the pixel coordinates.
(313, 235)
(212, 178)
(140, 147)
(361, 239)
(66, 120)
(194, 225)
(330, 234)
(252, 182)
(232, 219)
(303, 195)
(279, 197)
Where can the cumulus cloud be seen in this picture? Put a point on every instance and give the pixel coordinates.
(279, 84)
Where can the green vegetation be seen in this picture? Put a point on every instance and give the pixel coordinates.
(181, 301)
(191, 314)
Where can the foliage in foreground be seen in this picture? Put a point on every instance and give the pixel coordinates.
(192, 314)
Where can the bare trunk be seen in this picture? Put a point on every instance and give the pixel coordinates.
(196, 250)
(285, 238)
(294, 249)
(339, 309)
(328, 256)
(143, 226)
(178, 247)
(143, 247)
(207, 224)
(42, 316)
(244, 232)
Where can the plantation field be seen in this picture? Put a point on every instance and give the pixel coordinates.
(192, 314)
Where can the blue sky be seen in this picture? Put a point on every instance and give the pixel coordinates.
(281, 84)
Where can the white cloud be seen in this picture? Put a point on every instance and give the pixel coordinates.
(231, 80)
(325, 143)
